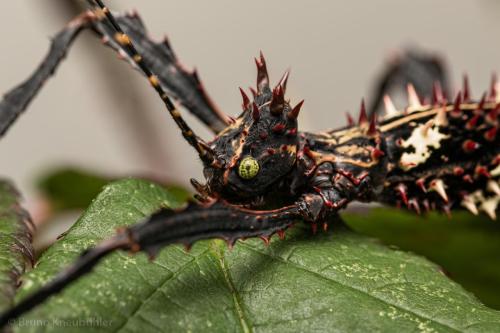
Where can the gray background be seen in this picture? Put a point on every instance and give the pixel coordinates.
(99, 114)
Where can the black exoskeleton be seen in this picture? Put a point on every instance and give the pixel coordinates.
(263, 174)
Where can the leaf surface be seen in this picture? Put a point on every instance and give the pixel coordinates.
(335, 282)
(16, 251)
(466, 246)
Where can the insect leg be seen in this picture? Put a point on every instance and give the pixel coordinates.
(18, 99)
(82, 266)
(186, 87)
(128, 47)
(182, 84)
(420, 69)
(166, 227)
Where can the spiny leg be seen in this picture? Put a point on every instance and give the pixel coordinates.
(421, 70)
(206, 154)
(183, 85)
(18, 99)
(193, 223)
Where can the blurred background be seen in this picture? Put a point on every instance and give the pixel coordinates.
(99, 115)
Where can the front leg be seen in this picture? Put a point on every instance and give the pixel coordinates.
(195, 222)
(214, 220)
(184, 86)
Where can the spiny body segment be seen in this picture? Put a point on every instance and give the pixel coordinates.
(263, 174)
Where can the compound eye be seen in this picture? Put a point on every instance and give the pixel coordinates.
(249, 168)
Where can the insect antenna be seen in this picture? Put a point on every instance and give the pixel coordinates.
(205, 153)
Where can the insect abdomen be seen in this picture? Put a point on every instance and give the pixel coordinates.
(444, 157)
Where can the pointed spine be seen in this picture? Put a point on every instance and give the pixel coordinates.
(458, 102)
(489, 207)
(427, 126)
(253, 91)
(284, 80)
(255, 112)
(465, 89)
(350, 120)
(402, 190)
(492, 97)
(278, 101)
(493, 187)
(413, 99)
(437, 93)
(372, 129)
(363, 118)
(482, 102)
(441, 118)
(469, 204)
(246, 100)
(262, 75)
(296, 110)
(390, 109)
(437, 185)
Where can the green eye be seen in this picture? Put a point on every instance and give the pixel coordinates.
(249, 168)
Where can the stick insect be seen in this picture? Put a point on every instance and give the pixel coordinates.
(439, 153)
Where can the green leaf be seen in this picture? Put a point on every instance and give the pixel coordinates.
(71, 188)
(15, 243)
(466, 246)
(68, 188)
(336, 281)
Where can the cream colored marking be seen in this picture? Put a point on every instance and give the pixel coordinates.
(351, 150)
(421, 139)
(137, 58)
(431, 112)
(238, 145)
(238, 149)
(427, 126)
(321, 158)
(441, 118)
(355, 131)
(342, 136)
(496, 172)
(339, 137)
(487, 205)
(438, 186)
(390, 109)
(493, 187)
(413, 98)
(469, 203)
(235, 125)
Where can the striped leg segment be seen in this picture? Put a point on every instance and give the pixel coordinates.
(193, 223)
(182, 85)
(205, 153)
